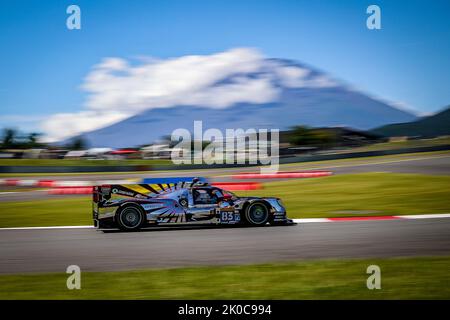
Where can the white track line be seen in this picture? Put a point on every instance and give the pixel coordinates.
(48, 228)
(425, 216)
(309, 220)
(412, 216)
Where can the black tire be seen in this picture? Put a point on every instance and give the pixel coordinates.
(130, 218)
(257, 214)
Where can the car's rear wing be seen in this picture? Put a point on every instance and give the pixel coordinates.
(139, 191)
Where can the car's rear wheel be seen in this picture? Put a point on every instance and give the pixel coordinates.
(257, 214)
(130, 218)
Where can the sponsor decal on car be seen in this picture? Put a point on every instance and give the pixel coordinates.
(149, 206)
(123, 192)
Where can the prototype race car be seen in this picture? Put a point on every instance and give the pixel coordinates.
(177, 201)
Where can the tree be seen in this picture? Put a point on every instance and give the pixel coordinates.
(300, 136)
(304, 136)
(77, 143)
(32, 140)
(323, 137)
(9, 137)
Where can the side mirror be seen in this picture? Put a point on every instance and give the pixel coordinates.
(227, 197)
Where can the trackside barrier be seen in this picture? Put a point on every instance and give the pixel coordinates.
(282, 175)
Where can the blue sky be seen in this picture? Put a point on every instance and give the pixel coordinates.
(43, 64)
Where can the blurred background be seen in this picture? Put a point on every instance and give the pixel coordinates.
(364, 121)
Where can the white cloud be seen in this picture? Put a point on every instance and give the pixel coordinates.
(117, 89)
(64, 125)
(292, 77)
(26, 122)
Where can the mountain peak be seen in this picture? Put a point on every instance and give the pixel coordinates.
(264, 93)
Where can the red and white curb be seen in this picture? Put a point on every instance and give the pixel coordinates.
(300, 221)
(374, 218)
(282, 175)
(60, 187)
(231, 186)
(58, 183)
(237, 186)
(75, 183)
(70, 190)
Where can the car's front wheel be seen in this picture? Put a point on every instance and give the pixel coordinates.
(257, 214)
(130, 218)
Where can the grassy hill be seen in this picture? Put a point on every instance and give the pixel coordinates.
(431, 126)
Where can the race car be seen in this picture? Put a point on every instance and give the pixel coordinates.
(180, 201)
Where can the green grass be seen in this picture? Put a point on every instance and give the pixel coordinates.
(334, 196)
(401, 278)
(67, 212)
(379, 193)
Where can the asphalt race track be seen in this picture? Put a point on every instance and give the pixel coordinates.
(53, 250)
